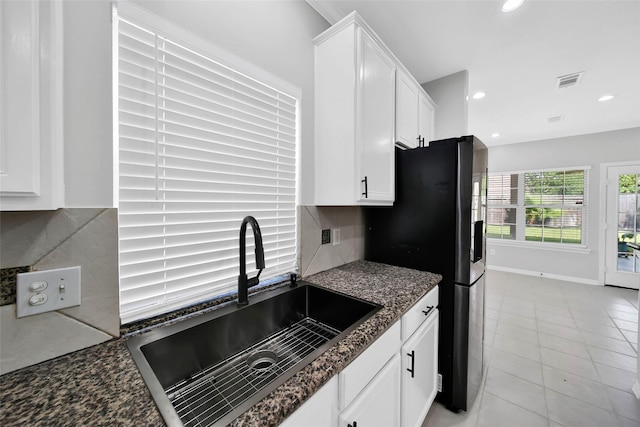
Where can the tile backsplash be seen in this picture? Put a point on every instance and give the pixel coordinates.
(42, 240)
(313, 256)
(88, 237)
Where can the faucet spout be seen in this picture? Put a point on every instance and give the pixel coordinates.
(245, 283)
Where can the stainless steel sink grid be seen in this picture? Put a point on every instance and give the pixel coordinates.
(216, 391)
(209, 369)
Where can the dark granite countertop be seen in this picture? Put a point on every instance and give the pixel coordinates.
(101, 385)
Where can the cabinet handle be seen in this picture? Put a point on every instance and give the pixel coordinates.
(428, 310)
(413, 359)
(366, 190)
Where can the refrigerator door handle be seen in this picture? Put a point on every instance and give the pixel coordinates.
(478, 238)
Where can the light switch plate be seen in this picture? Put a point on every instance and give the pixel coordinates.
(335, 238)
(47, 290)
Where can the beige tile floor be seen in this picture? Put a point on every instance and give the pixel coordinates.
(558, 354)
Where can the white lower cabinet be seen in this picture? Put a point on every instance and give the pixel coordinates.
(420, 372)
(392, 383)
(321, 410)
(379, 403)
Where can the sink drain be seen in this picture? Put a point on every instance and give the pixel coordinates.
(262, 360)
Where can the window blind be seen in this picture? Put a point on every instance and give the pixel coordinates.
(201, 146)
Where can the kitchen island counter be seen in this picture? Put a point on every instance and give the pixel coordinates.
(101, 385)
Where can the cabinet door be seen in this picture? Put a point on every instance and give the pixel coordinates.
(379, 403)
(420, 372)
(406, 111)
(31, 155)
(375, 124)
(425, 119)
(19, 123)
(321, 410)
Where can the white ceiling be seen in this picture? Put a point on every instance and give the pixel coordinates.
(516, 57)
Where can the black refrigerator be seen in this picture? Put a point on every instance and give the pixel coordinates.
(437, 224)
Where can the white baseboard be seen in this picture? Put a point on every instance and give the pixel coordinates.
(636, 389)
(545, 275)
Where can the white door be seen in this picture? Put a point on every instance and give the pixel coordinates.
(623, 226)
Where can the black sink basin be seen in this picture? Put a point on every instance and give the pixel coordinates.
(210, 369)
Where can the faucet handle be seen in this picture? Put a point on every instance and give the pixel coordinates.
(252, 282)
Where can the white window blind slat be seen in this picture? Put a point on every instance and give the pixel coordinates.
(194, 108)
(222, 221)
(202, 145)
(226, 151)
(211, 263)
(214, 94)
(186, 61)
(143, 207)
(195, 128)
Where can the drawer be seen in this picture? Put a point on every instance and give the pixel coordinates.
(355, 377)
(414, 317)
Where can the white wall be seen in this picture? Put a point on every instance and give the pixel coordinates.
(88, 134)
(582, 150)
(450, 95)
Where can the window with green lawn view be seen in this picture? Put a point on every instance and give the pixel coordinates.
(546, 206)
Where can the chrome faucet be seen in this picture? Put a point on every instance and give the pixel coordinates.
(243, 283)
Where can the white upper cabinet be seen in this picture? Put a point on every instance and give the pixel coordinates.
(354, 116)
(407, 96)
(426, 117)
(374, 135)
(31, 155)
(365, 102)
(414, 112)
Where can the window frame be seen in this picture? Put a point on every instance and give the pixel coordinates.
(520, 208)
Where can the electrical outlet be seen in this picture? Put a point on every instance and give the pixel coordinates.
(48, 290)
(336, 236)
(492, 252)
(326, 236)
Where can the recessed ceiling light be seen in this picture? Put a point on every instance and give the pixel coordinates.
(479, 95)
(511, 5)
(605, 98)
(495, 135)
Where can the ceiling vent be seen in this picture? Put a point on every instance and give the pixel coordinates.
(569, 80)
(555, 119)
